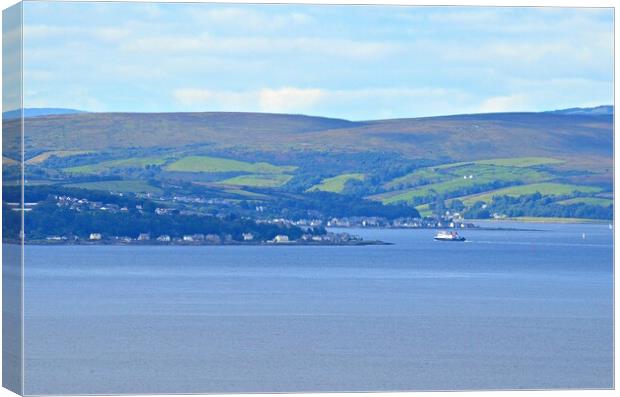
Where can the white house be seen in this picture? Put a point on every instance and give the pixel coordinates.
(281, 238)
(95, 236)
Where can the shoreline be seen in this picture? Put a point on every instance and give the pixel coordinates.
(575, 221)
(506, 229)
(198, 244)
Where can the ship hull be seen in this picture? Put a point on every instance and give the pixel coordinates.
(450, 239)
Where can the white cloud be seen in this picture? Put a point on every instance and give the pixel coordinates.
(507, 103)
(289, 99)
(364, 103)
(357, 62)
(281, 100)
(103, 33)
(244, 46)
(111, 33)
(536, 95)
(71, 97)
(201, 99)
(241, 19)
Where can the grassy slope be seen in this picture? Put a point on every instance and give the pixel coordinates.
(337, 183)
(217, 164)
(604, 202)
(461, 137)
(521, 161)
(257, 180)
(553, 189)
(483, 171)
(133, 162)
(246, 194)
(103, 131)
(424, 210)
(451, 179)
(124, 186)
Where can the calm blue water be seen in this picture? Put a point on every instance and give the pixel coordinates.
(504, 310)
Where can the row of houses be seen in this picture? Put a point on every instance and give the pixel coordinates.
(189, 238)
(375, 222)
(82, 204)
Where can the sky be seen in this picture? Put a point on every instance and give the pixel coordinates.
(352, 62)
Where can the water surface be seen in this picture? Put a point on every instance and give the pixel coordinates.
(504, 310)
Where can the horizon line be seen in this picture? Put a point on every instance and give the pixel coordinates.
(78, 111)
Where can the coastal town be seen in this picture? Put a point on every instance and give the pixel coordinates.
(314, 231)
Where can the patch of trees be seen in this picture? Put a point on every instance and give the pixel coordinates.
(539, 206)
(37, 193)
(463, 191)
(329, 205)
(379, 167)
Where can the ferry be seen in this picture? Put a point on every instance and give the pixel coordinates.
(448, 236)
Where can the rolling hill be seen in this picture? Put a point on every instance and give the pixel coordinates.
(565, 155)
(585, 138)
(35, 112)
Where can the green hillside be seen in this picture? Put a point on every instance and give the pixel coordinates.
(337, 183)
(216, 164)
(124, 186)
(450, 179)
(269, 180)
(550, 189)
(457, 138)
(116, 164)
(605, 202)
(521, 161)
(232, 159)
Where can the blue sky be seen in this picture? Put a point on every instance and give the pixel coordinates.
(354, 62)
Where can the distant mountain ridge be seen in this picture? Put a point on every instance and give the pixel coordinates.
(36, 112)
(570, 136)
(597, 110)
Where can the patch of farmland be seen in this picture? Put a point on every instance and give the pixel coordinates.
(218, 164)
(337, 183)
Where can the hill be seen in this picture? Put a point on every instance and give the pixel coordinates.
(583, 138)
(35, 112)
(101, 131)
(598, 110)
(225, 159)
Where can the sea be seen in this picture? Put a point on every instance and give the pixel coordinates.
(504, 310)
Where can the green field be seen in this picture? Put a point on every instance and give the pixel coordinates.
(269, 180)
(337, 183)
(505, 162)
(124, 186)
(481, 174)
(521, 161)
(462, 177)
(424, 210)
(417, 177)
(604, 202)
(546, 189)
(246, 194)
(218, 164)
(133, 162)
